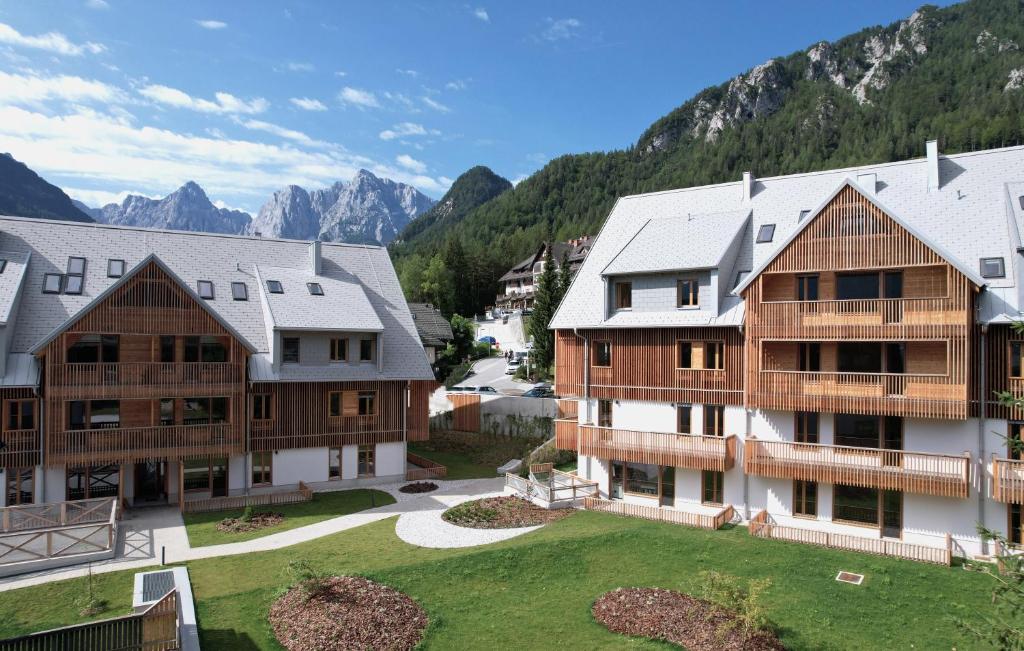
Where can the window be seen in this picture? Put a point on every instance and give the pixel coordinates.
(367, 461)
(857, 286)
(861, 431)
(74, 284)
(206, 348)
(239, 291)
(604, 413)
(339, 350)
(602, 353)
(261, 407)
(765, 233)
(367, 403)
(711, 487)
(992, 268)
(315, 289)
(892, 284)
(895, 357)
(94, 414)
(203, 411)
(205, 289)
(334, 463)
(684, 422)
(805, 498)
(21, 414)
(93, 349)
(807, 288)
(19, 485)
(334, 404)
(166, 411)
(167, 349)
(1015, 536)
(290, 350)
(684, 354)
(714, 355)
(1015, 356)
(810, 357)
(197, 474)
(642, 478)
(87, 482)
(115, 268)
(366, 347)
(855, 504)
(741, 276)
(714, 420)
(76, 266)
(275, 287)
(806, 427)
(803, 215)
(3, 264)
(623, 296)
(687, 293)
(52, 283)
(262, 468)
(859, 357)
(1015, 441)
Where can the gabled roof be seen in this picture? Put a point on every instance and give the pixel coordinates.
(924, 239)
(99, 298)
(433, 328)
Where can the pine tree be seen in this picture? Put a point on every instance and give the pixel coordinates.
(544, 303)
(564, 280)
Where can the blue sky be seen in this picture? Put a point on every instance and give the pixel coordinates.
(107, 97)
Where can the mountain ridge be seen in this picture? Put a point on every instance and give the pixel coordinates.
(23, 193)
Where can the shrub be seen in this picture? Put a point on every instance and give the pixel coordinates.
(310, 580)
(745, 601)
(247, 514)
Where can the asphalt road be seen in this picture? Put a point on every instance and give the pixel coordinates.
(491, 372)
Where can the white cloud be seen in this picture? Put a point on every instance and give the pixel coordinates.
(403, 129)
(481, 13)
(358, 97)
(99, 198)
(561, 29)
(224, 102)
(340, 73)
(300, 66)
(434, 104)
(457, 84)
(99, 5)
(308, 104)
(211, 24)
(30, 89)
(411, 164)
(407, 72)
(51, 42)
(281, 132)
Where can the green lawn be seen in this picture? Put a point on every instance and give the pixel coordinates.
(469, 455)
(536, 590)
(202, 527)
(459, 465)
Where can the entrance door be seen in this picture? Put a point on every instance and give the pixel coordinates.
(218, 477)
(149, 483)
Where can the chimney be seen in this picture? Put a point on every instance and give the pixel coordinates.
(315, 261)
(868, 182)
(931, 149)
(748, 186)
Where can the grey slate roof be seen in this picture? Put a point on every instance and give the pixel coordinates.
(343, 306)
(434, 329)
(11, 281)
(221, 259)
(970, 217)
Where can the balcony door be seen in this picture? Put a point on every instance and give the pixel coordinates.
(150, 485)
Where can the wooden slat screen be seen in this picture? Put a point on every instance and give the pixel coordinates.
(21, 446)
(465, 411)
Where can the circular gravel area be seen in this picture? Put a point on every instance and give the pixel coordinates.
(349, 613)
(503, 512)
(426, 528)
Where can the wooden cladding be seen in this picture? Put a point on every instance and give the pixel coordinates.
(1008, 480)
(301, 420)
(418, 410)
(715, 453)
(998, 341)
(21, 445)
(144, 380)
(566, 432)
(910, 472)
(644, 365)
(465, 411)
(568, 408)
(883, 318)
(133, 444)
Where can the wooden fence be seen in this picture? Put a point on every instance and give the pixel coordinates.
(761, 527)
(38, 532)
(55, 514)
(154, 629)
(301, 494)
(716, 521)
(557, 488)
(427, 469)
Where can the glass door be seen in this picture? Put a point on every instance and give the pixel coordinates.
(218, 477)
(615, 487)
(668, 486)
(892, 514)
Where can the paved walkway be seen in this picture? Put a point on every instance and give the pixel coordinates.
(145, 534)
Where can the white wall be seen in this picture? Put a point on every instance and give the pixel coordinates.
(304, 464)
(390, 459)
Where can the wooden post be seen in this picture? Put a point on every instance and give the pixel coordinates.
(120, 484)
(181, 485)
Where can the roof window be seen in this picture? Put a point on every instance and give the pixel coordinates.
(52, 283)
(765, 233)
(1021, 200)
(3, 265)
(76, 266)
(115, 268)
(803, 214)
(274, 287)
(740, 277)
(993, 268)
(205, 289)
(315, 289)
(239, 291)
(74, 284)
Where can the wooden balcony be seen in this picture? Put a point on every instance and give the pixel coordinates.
(131, 444)
(1008, 480)
(21, 448)
(911, 472)
(716, 453)
(891, 394)
(898, 318)
(143, 380)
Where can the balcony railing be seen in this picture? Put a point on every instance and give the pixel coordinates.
(858, 319)
(1008, 480)
(129, 444)
(99, 379)
(699, 452)
(911, 472)
(20, 448)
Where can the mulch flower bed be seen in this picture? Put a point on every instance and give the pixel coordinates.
(501, 513)
(349, 612)
(419, 487)
(693, 624)
(257, 521)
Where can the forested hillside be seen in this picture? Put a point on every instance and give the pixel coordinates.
(955, 74)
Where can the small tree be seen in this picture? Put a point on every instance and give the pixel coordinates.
(544, 303)
(564, 280)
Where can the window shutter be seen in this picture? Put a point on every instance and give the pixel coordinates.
(698, 354)
(350, 402)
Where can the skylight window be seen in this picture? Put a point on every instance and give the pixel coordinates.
(740, 277)
(3, 265)
(76, 266)
(315, 289)
(765, 233)
(993, 268)
(74, 284)
(803, 213)
(115, 268)
(1021, 200)
(239, 292)
(274, 287)
(205, 289)
(52, 283)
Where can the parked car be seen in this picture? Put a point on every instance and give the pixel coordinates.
(486, 390)
(539, 392)
(488, 340)
(512, 366)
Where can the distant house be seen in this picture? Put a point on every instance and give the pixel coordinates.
(435, 331)
(518, 285)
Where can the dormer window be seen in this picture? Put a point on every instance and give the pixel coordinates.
(52, 283)
(366, 347)
(741, 276)
(765, 233)
(115, 268)
(239, 291)
(687, 293)
(623, 296)
(993, 268)
(315, 289)
(205, 288)
(275, 287)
